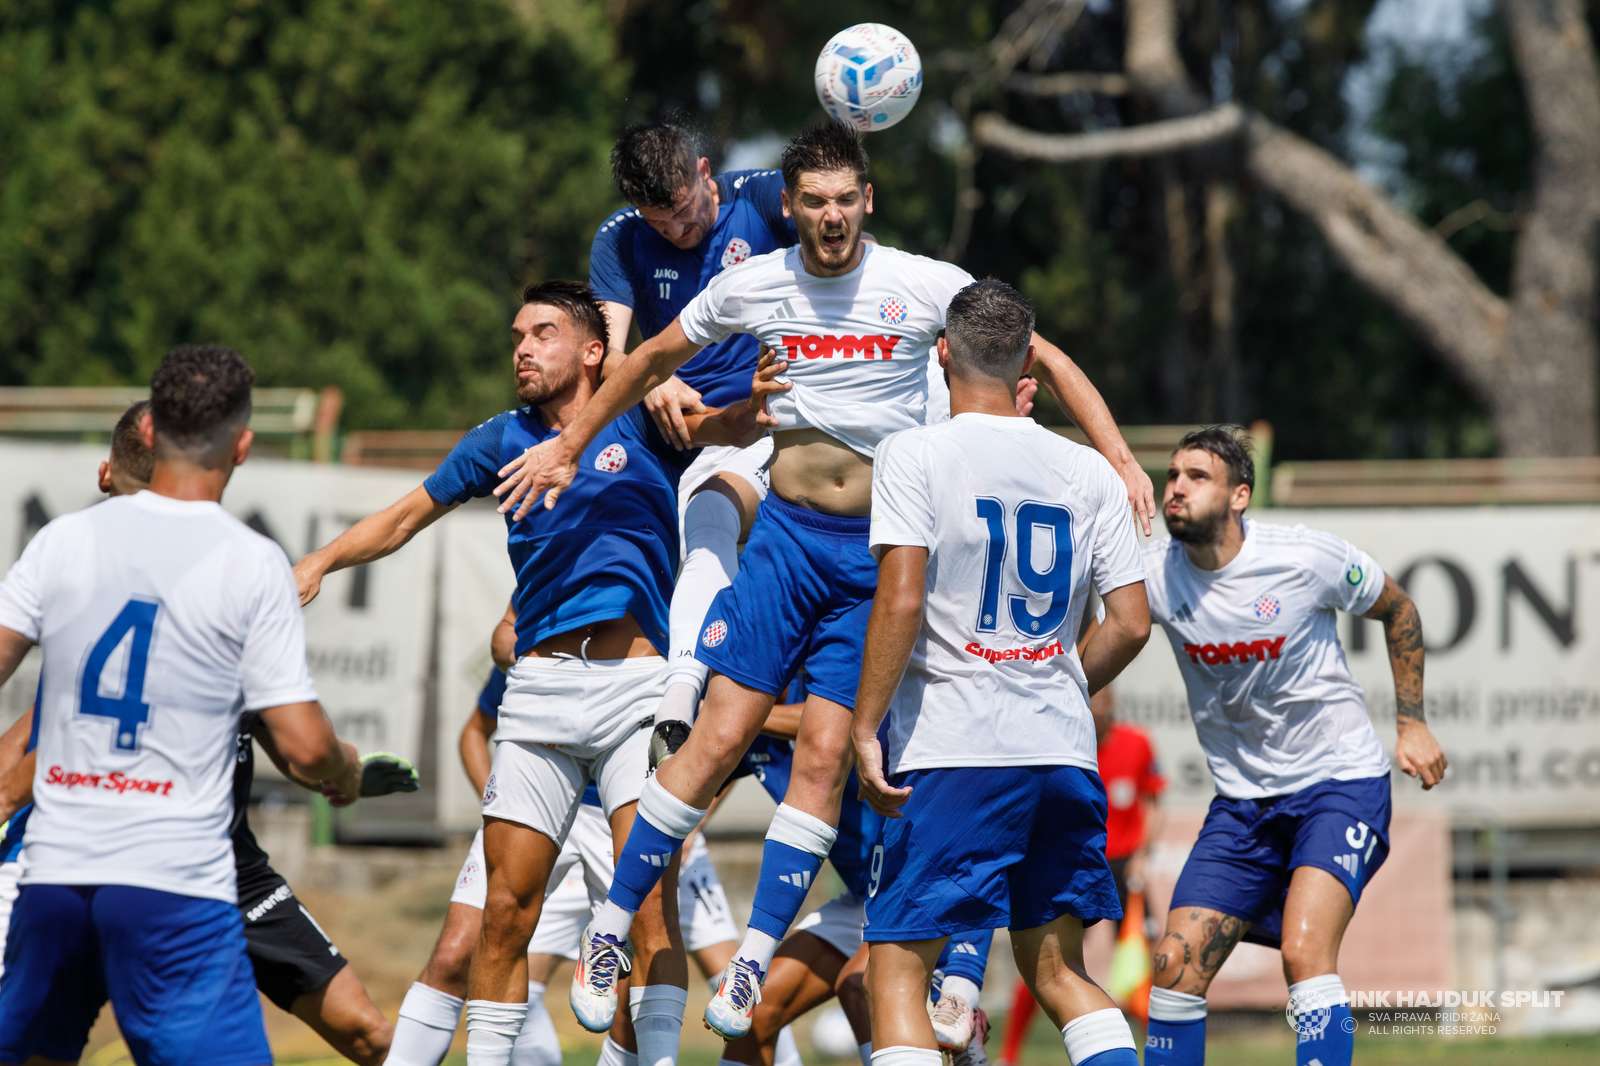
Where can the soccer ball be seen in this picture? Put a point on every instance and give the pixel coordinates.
(868, 76)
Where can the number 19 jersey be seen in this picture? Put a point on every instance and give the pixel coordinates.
(159, 621)
(1018, 521)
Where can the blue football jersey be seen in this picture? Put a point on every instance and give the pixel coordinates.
(770, 761)
(493, 692)
(11, 845)
(632, 264)
(489, 700)
(609, 549)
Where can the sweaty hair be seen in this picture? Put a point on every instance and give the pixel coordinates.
(128, 452)
(652, 163)
(989, 326)
(1228, 443)
(577, 300)
(824, 147)
(199, 395)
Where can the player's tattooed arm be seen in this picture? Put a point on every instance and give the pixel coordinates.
(892, 631)
(1198, 941)
(1416, 750)
(1078, 397)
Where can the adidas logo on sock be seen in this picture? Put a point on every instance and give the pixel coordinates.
(662, 860)
(801, 879)
(963, 949)
(1350, 863)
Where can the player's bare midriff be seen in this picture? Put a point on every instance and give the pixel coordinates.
(812, 469)
(616, 638)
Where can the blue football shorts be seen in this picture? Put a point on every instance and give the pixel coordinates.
(991, 846)
(801, 598)
(174, 967)
(1249, 848)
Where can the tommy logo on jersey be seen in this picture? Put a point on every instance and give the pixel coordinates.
(813, 347)
(737, 251)
(1240, 651)
(611, 459)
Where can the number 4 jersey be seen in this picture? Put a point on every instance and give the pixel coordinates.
(1017, 521)
(159, 621)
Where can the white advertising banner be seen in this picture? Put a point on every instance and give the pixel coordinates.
(1510, 605)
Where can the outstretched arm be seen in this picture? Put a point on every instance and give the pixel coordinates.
(301, 743)
(891, 635)
(549, 467)
(16, 786)
(1079, 398)
(1415, 749)
(1115, 642)
(371, 538)
(668, 401)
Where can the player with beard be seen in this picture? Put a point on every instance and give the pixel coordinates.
(856, 322)
(593, 582)
(1301, 818)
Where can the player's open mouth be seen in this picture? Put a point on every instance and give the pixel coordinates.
(833, 241)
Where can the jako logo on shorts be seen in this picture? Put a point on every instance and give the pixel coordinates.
(715, 634)
(612, 459)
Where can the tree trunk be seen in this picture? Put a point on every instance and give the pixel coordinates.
(1546, 403)
(1530, 359)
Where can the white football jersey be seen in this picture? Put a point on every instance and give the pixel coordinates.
(1258, 645)
(1017, 521)
(159, 620)
(857, 344)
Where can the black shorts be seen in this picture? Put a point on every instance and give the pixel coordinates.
(290, 952)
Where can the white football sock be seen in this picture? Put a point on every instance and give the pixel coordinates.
(759, 948)
(658, 1022)
(787, 1053)
(907, 1056)
(960, 987)
(492, 1030)
(711, 557)
(866, 1053)
(537, 1044)
(613, 1054)
(427, 1024)
(1088, 1035)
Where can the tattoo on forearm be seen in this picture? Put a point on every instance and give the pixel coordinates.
(1402, 632)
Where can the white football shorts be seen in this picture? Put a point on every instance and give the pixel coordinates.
(703, 912)
(838, 922)
(750, 463)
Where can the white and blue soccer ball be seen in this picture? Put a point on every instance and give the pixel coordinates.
(869, 76)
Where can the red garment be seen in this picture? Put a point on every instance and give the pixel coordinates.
(1128, 768)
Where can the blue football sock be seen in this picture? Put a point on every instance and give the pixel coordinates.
(967, 955)
(1323, 1020)
(790, 860)
(658, 832)
(1117, 1056)
(1177, 1032)
(1100, 1038)
(786, 876)
(643, 862)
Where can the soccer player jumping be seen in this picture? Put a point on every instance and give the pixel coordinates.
(855, 322)
(1301, 818)
(989, 530)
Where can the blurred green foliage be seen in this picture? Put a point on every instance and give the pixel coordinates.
(353, 191)
(348, 191)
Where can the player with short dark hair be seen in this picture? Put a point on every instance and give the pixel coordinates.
(855, 321)
(683, 228)
(989, 531)
(1301, 818)
(129, 887)
(591, 602)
